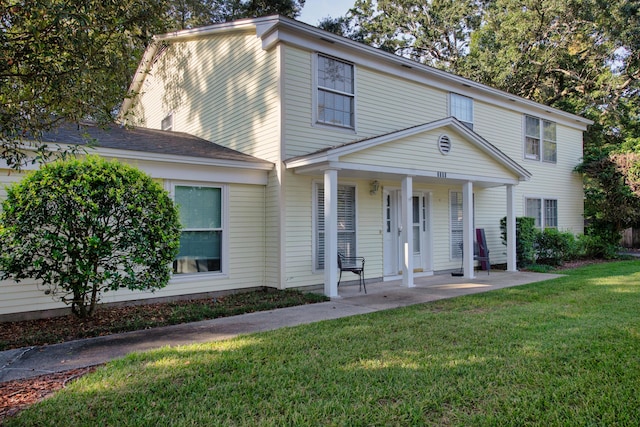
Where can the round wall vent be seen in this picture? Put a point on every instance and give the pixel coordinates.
(444, 144)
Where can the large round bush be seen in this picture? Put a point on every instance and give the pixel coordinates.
(84, 227)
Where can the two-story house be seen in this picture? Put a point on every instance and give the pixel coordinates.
(362, 152)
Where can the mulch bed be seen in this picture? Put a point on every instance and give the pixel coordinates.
(16, 395)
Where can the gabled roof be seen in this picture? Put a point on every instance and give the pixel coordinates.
(278, 29)
(333, 155)
(142, 140)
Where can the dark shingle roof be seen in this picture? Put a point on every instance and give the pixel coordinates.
(145, 140)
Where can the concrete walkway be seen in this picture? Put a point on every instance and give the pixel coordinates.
(32, 361)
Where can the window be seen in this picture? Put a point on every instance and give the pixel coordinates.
(540, 140)
(544, 218)
(201, 241)
(456, 222)
(336, 95)
(455, 199)
(462, 109)
(167, 122)
(346, 222)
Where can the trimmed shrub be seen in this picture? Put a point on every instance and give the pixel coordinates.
(525, 239)
(554, 247)
(83, 227)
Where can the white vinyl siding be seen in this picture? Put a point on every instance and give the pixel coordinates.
(346, 222)
(462, 109)
(421, 152)
(335, 92)
(222, 89)
(540, 140)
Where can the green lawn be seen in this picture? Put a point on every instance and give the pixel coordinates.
(561, 352)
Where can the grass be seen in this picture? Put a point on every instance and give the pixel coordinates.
(555, 353)
(109, 319)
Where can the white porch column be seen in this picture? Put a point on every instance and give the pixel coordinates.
(512, 264)
(331, 233)
(467, 229)
(407, 234)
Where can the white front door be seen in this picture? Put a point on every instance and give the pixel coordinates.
(420, 227)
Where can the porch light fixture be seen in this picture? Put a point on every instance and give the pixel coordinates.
(375, 186)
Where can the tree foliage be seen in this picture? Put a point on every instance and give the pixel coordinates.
(84, 227)
(67, 61)
(195, 13)
(434, 32)
(582, 56)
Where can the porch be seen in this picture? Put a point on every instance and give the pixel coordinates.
(382, 295)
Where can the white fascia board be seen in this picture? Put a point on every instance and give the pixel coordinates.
(314, 39)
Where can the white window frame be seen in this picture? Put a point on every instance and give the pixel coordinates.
(542, 217)
(318, 223)
(456, 102)
(546, 136)
(317, 88)
(224, 250)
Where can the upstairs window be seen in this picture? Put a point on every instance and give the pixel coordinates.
(540, 140)
(336, 94)
(461, 107)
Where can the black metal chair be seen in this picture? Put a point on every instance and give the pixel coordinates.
(353, 264)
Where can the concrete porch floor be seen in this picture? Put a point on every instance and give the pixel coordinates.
(383, 295)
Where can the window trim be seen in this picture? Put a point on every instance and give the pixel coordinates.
(169, 118)
(170, 186)
(543, 206)
(316, 88)
(315, 185)
(542, 141)
(452, 95)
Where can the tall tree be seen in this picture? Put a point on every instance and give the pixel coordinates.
(433, 32)
(194, 13)
(67, 60)
(582, 56)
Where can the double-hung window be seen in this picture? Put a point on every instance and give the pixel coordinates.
(202, 219)
(335, 92)
(346, 222)
(540, 140)
(543, 211)
(461, 107)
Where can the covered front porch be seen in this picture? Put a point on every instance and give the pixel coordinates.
(382, 295)
(444, 153)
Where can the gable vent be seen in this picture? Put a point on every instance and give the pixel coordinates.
(444, 144)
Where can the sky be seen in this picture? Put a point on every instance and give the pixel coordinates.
(314, 10)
